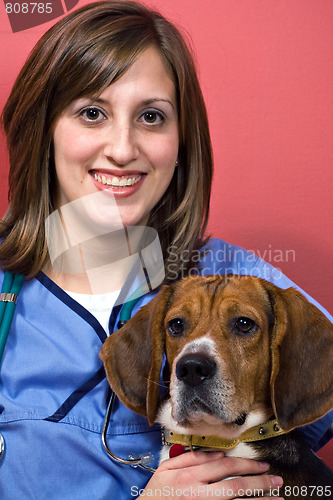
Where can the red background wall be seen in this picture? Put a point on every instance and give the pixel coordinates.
(267, 76)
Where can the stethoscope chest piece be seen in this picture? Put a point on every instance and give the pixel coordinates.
(2, 445)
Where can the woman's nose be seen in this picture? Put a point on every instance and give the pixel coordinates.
(121, 144)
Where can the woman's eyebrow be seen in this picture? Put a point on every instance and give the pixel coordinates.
(146, 102)
(157, 99)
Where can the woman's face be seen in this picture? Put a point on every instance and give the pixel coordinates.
(123, 142)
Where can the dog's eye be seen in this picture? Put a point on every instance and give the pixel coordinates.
(176, 327)
(244, 325)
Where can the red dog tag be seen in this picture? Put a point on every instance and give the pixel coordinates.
(176, 449)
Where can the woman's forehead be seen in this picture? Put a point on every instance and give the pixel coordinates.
(149, 77)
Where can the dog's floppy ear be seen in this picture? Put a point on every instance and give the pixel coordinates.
(133, 357)
(302, 353)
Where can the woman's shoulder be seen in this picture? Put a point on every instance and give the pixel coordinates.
(220, 251)
(219, 257)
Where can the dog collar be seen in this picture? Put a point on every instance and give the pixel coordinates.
(260, 432)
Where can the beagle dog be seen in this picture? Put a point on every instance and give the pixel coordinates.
(244, 362)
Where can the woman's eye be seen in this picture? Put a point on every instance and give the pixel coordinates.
(92, 115)
(152, 117)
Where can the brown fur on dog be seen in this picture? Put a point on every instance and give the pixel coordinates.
(285, 364)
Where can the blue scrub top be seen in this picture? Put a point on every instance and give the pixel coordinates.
(54, 394)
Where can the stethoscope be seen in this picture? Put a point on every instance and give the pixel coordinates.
(11, 287)
(141, 461)
(147, 458)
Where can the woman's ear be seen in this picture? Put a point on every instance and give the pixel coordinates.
(301, 353)
(133, 357)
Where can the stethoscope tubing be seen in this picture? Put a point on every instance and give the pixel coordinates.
(11, 287)
(134, 462)
(125, 314)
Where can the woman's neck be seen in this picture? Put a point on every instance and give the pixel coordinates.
(98, 281)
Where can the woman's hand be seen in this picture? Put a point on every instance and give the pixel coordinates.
(204, 475)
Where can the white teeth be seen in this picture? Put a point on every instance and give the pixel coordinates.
(116, 182)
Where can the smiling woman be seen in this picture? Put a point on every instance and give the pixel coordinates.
(125, 141)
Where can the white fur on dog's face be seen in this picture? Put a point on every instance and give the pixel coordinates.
(210, 409)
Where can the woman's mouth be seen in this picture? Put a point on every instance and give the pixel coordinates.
(121, 185)
(118, 182)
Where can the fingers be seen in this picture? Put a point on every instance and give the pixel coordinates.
(190, 459)
(249, 486)
(212, 467)
(224, 467)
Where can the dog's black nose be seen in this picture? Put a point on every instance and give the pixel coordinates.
(193, 369)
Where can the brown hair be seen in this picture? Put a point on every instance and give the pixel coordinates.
(80, 55)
